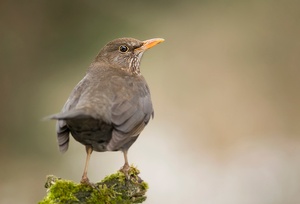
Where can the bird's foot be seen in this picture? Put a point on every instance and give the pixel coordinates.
(125, 170)
(86, 181)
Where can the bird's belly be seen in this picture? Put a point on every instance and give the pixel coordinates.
(91, 133)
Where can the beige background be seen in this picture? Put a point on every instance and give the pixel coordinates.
(225, 87)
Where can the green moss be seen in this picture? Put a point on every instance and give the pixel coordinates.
(119, 176)
(113, 189)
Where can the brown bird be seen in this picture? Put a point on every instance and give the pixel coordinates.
(111, 105)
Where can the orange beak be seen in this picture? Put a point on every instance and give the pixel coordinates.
(149, 43)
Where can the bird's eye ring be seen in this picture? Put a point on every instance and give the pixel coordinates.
(123, 48)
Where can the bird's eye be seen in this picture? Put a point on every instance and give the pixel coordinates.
(123, 48)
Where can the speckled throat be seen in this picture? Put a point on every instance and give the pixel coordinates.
(134, 65)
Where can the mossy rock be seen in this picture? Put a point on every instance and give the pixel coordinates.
(113, 189)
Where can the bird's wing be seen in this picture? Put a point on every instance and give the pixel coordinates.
(131, 110)
(67, 112)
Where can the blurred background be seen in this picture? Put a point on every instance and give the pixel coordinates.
(225, 86)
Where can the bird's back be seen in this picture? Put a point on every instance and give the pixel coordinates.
(106, 110)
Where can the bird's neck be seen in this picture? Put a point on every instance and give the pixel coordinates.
(134, 66)
(133, 71)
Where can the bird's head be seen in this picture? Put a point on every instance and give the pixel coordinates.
(126, 53)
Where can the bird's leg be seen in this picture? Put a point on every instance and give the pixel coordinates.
(126, 166)
(84, 178)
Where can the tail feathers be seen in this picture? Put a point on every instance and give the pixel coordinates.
(63, 141)
(62, 128)
(62, 136)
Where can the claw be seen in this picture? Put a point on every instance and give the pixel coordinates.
(125, 170)
(85, 181)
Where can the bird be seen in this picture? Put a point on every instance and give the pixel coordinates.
(109, 108)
